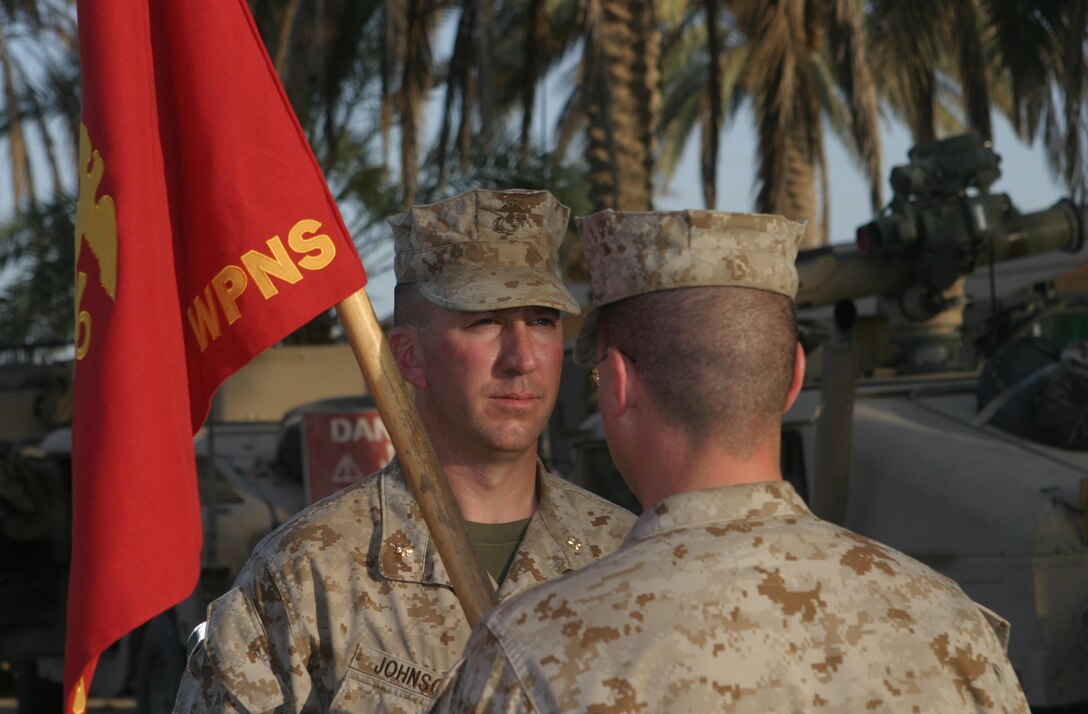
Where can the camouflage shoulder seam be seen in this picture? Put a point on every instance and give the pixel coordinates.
(298, 640)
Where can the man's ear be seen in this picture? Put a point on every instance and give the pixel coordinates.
(798, 377)
(407, 347)
(621, 390)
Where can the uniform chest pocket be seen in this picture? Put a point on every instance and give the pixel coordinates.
(377, 681)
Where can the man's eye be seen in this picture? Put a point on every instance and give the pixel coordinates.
(483, 322)
(545, 321)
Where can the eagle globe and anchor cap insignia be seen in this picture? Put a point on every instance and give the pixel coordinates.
(96, 225)
(510, 218)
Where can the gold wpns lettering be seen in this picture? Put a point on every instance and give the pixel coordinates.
(229, 284)
(321, 244)
(204, 319)
(311, 251)
(279, 264)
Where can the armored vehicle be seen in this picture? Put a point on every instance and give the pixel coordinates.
(252, 457)
(35, 531)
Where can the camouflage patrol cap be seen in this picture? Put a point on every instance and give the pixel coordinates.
(634, 253)
(484, 250)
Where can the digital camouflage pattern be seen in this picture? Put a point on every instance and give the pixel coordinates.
(485, 250)
(738, 599)
(347, 606)
(634, 253)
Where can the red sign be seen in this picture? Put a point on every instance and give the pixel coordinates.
(339, 448)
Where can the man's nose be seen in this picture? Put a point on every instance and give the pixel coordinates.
(518, 349)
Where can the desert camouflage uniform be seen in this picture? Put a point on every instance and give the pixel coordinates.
(347, 607)
(738, 599)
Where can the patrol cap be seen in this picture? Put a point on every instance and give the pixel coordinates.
(634, 253)
(484, 250)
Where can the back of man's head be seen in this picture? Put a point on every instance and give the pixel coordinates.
(717, 361)
(702, 301)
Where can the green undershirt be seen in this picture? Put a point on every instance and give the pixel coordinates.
(497, 543)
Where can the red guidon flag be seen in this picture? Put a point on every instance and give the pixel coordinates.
(205, 233)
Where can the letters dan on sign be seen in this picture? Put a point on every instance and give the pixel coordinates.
(339, 448)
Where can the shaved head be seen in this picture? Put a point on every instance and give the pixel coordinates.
(717, 361)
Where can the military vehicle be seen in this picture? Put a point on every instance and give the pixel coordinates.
(945, 411)
(35, 530)
(269, 421)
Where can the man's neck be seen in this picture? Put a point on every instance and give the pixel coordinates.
(678, 466)
(494, 492)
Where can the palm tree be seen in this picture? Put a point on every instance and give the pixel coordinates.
(615, 97)
(929, 55)
(37, 303)
(334, 57)
(38, 88)
(499, 56)
(621, 95)
(1040, 48)
(798, 62)
(39, 120)
(1025, 58)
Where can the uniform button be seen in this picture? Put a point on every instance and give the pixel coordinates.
(574, 544)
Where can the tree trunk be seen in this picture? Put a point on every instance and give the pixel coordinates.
(798, 199)
(622, 93)
(712, 113)
(414, 83)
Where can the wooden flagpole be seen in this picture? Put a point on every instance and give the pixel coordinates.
(417, 456)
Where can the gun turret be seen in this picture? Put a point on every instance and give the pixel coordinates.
(941, 224)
